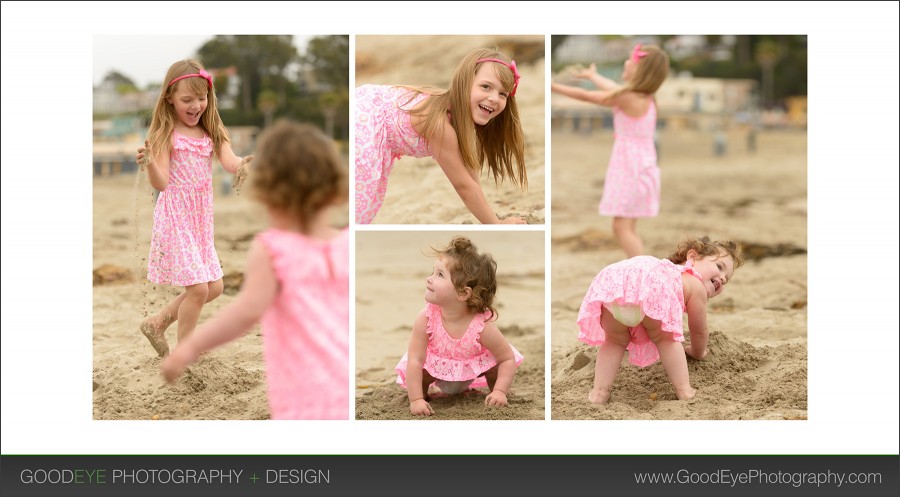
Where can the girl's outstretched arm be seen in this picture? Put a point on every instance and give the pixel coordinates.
(495, 342)
(695, 302)
(415, 361)
(239, 166)
(599, 81)
(157, 165)
(602, 97)
(464, 180)
(257, 293)
(229, 160)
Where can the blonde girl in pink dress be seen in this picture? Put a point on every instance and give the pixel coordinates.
(455, 342)
(631, 186)
(475, 121)
(296, 282)
(185, 133)
(638, 305)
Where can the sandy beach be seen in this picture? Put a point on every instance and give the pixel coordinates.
(418, 190)
(390, 283)
(756, 368)
(228, 382)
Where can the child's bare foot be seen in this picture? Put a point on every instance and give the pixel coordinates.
(157, 337)
(685, 393)
(598, 396)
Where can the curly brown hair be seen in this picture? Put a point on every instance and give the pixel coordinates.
(297, 169)
(470, 269)
(706, 247)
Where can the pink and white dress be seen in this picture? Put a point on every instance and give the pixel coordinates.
(631, 186)
(455, 360)
(383, 134)
(306, 329)
(650, 284)
(181, 244)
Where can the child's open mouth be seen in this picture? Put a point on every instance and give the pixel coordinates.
(486, 109)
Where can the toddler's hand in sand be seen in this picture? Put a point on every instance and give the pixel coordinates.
(420, 407)
(174, 364)
(241, 174)
(496, 398)
(690, 352)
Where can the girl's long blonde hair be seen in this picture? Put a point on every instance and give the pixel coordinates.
(162, 122)
(651, 72)
(500, 142)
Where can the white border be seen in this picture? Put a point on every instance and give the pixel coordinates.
(47, 242)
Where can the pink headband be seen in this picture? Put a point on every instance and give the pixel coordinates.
(512, 67)
(202, 74)
(637, 53)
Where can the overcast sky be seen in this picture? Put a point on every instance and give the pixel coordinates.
(145, 58)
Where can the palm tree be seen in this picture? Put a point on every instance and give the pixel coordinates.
(768, 53)
(267, 102)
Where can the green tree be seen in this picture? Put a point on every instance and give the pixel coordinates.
(327, 65)
(328, 56)
(261, 61)
(268, 103)
(123, 83)
(768, 53)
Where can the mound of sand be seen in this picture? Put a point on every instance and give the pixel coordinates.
(735, 381)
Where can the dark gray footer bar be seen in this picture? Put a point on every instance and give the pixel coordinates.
(446, 475)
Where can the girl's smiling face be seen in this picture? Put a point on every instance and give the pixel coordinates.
(189, 107)
(715, 271)
(488, 96)
(439, 288)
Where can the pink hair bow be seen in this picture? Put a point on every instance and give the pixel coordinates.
(637, 53)
(512, 67)
(202, 74)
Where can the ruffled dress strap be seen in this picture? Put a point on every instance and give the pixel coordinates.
(476, 326)
(434, 324)
(689, 269)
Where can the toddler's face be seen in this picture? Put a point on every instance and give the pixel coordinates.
(488, 97)
(716, 271)
(439, 289)
(189, 106)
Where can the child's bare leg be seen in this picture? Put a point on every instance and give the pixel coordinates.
(625, 230)
(215, 289)
(671, 353)
(609, 357)
(427, 380)
(154, 327)
(189, 310)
